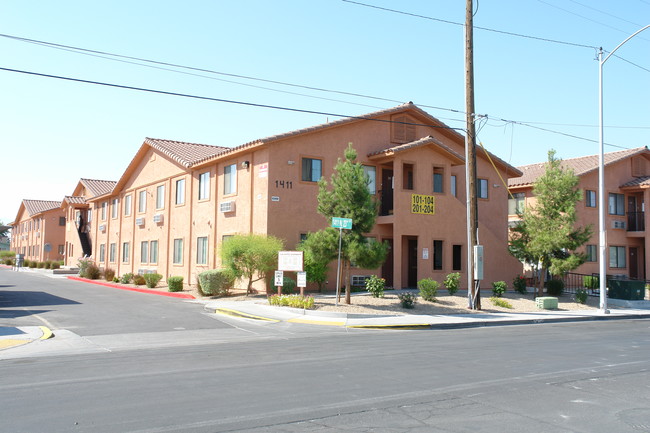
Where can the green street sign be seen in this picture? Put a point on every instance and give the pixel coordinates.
(342, 223)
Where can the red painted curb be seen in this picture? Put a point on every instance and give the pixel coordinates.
(133, 289)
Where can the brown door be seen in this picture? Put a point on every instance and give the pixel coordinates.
(634, 263)
(387, 267)
(386, 192)
(412, 263)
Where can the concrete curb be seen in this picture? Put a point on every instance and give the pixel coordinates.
(134, 289)
(21, 335)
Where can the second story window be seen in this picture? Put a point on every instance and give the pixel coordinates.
(114, 207)
(482, 188)
(312, 169)
(371, 172)
(590, 198)
(160, 196)
(142, 201)
(438, 176)
(230, 179)
(104, 204)
(127, 205)
(616, 204)
(204, 186)
(516, 203)
(180, 191)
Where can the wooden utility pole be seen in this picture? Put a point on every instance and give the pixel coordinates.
(473, 289)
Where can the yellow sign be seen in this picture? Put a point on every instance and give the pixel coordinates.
(424, 204)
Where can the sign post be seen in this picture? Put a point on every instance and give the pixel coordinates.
(340, 223)
(279, 278)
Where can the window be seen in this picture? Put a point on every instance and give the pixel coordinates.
(90, 215)
(102, 253)
(61, 250)
(402, 129)
(180, 191)
(160, 196)
(438, 176)
(312, 169)
(516, 203)
(104, 204)
(111, 253)
(590, 198)
(224, 238)
(371, 172)
(144, 252)
(452, 186)
(616, 204)
(142, 201)
(204, 186)
(178, 252)
(114, 208)
(407, 176)
(592, 253)
(482, 188)
(437, 255)
(61, 221)
(457, 257)
(303, 237)
(616, 257)
(230, 179)
(153, 252)
(125, 252)
(202, 251)
(127, 205)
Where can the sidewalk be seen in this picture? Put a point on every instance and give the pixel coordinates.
(11, 336)
(257, 310)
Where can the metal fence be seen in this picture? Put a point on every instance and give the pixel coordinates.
(591, 283)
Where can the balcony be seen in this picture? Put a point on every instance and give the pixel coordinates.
(385, 202)
(635, 222)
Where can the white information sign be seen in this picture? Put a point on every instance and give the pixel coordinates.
(302, 279)
(264, 170)
(279, 277)
(290, 261)
(425, 253)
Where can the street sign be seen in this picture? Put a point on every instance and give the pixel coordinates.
(290, 261)
(342, 223)
(279, 277)
(302, 279)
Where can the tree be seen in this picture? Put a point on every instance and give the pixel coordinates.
(250, 256)
(546, 234)
(316, 267)
(349, 197)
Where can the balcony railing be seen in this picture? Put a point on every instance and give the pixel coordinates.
(635, 222)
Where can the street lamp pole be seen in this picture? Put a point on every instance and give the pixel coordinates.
(601, 176)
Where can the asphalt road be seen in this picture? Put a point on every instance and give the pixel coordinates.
(573, 377)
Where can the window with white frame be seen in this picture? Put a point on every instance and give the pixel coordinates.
(102, 253)
(104, 204)
(114, 207)
(153, 252)
(112, 249)
(202, 250)
(204, 186)
(127, 205)
(516, 203)
(126, 250)
(230, 179)
(160, 196)
(142, 201)
(178, 252)
(482, 188)
(180, 191)
(144, 252)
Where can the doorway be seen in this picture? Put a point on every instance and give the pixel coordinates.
(387, 267)
(634, 263)
(412, 262)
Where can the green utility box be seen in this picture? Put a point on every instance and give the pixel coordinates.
(628, 290)
(546, 303)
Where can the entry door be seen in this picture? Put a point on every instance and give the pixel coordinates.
(386, 192)
(634, 263)
(387, 267)
(412, 263)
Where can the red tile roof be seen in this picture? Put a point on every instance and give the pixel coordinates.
(35, 207)
(72, 199)
(417, 143)
(580, 166)
(98, 187)
(186, 154)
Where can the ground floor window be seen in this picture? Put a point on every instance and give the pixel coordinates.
(617, 257)
(153, 252)
(102, 253)
(437, 255)
(144, 252)
(126, 249)
(178, 252)
(111, 253)
(457, 257)
(202, 250)
(592, 254)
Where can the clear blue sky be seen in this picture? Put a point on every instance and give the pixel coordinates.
(54, 132)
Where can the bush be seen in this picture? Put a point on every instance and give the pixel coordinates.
(175, 284)
(216, 282)
(288, 286)
(428, 290)
(109, 274)
(7, 254)
(591, 282)
(555, 287)
(138, 280)
(375, 286)
(55, 265)
(499, 288)
(581, 296)
(294, 301)
(9, 262)
(116, 280)
(501, 302)
(152, 280)
(519, 284)
(48, 264)
(40, 265)
(126, 278)
(26, 263)
(33, 264)
(408, 300)
(88, 269)
(452, 282)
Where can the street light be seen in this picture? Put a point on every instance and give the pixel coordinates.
(601, 174)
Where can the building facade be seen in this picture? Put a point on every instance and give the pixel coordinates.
(627, 189)
(38, 232)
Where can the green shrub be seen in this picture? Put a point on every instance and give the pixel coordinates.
(375, 286)
(152, 280)
(555, 287)
(126, 278)
(452, 282)
(501, 302)
(88, 269)
(591, 282)
(9, 262)
(294, 301)
(408, 299)
(499, 288)
(40, 265)
(138, 280)
(288, 286)
(33, 264)
(109, 274)
(47, 264)
(519, 284)
(216, 282)
(7, 254)
(175, 284)
(428, 289)
(116, 280)
(26, 263)
(55, 265)
(581, 296)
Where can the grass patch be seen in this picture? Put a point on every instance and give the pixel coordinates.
(499, 302)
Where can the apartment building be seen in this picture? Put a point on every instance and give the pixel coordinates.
(627, 189)
(176, 202)
(38, 230)
(78, 239)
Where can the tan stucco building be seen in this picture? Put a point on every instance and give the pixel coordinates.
(38, 230)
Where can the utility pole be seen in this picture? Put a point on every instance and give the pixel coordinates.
(473, 289)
